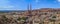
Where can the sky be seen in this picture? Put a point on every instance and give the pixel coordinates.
(23, 4)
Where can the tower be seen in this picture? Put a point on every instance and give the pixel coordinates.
(29, 9)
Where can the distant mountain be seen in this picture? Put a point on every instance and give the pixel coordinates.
(12, 11)
(32, 10)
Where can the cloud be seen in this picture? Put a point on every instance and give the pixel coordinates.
(58, 0)
(4, 1)
(7, 6)
(4, 4)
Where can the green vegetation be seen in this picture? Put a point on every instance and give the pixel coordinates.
(19, 19)
(24, 18)
(53, 19)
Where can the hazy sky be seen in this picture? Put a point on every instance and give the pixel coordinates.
(23, 4)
